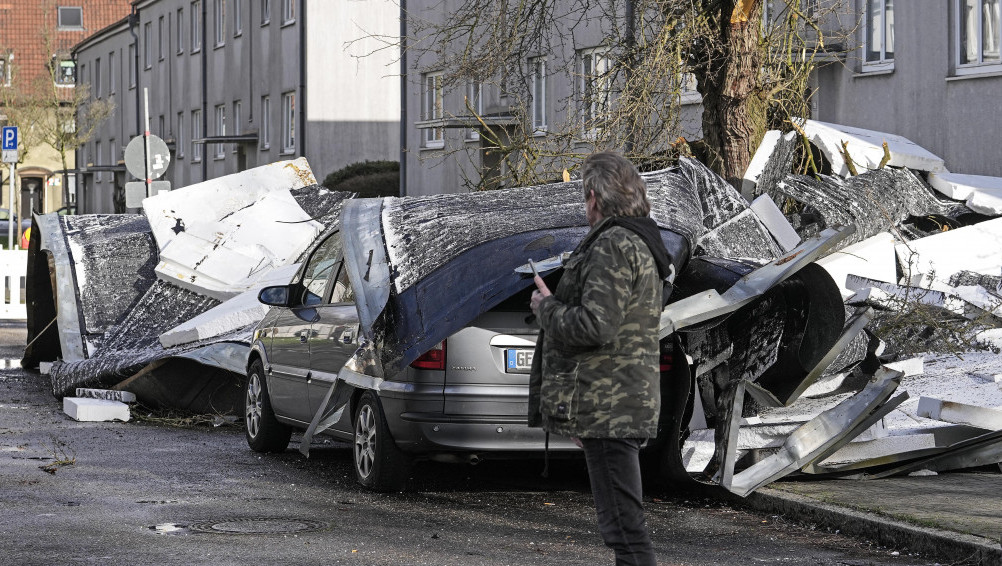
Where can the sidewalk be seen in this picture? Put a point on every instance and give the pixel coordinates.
(956, 517)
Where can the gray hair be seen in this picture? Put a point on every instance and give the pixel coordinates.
(619, 189)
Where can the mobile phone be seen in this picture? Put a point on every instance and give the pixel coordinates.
(532, 265)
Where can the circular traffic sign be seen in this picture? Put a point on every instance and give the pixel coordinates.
(135, 157)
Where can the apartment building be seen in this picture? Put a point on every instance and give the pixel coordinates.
(233, 84)
(929, 70)
(36, 39)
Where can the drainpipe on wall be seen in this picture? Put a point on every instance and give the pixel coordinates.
(302, 78)
(205, 93)
(403, 97)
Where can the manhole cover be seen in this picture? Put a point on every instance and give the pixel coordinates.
(258, 526)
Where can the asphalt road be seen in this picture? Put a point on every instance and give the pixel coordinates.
(147, 493)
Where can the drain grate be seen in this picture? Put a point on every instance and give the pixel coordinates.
(258, 526)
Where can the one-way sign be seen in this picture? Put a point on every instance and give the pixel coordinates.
(9, 138)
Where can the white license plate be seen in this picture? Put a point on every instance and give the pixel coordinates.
(518, 360)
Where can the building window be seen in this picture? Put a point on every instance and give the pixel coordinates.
(265, 11)
(878, 33)
(131, 65)
(220, 129)
(161, 38)
(64, 71)
(475, 105)
(97, 78)
(112, 72)
(288, 122)
(196, 133)
(219, 19)
(265, 122)
(980, 32)
(594, 88)
(70, 18)
(196, 26)
(238, 17)
(148, 45)
(112, 156)
(179, 142)
(161, 126)
(178, 23)
(288, 11)
(433, 107)
(537, 65)
(5, 70)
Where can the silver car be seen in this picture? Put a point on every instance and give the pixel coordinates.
(464, 399)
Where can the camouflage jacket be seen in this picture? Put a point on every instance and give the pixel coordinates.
(595, 372)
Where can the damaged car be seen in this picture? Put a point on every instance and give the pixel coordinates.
(406, 331)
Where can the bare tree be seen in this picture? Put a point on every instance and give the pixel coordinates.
(750, 68)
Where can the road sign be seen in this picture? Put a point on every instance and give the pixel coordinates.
(135, 192)
(135, 157)
(9, 137)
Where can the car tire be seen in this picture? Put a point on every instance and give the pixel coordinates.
(379, 464)
(264, 432)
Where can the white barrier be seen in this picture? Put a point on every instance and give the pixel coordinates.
(13, 269)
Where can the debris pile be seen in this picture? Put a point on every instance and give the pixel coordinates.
(917, 385)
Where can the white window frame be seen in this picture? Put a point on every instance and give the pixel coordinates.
(884, 60)
(238, 18)
(180, 31)
(594, 75)
(58, 72)
(433, 108)
(540, 123)
(288, 11)
(196, 26)
(219, 22)
(265, 122)
(5, 69)
(59, 18)
(220, 114)
(196, 132)
(148, 45)
(979, 64)
(475, 96)
(289, 122)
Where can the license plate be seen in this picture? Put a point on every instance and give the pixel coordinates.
(518, 360)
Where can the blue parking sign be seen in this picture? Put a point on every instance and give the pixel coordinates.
(9, 135)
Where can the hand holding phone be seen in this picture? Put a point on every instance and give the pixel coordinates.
(541, 291)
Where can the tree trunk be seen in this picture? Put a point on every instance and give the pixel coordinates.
(734, 111)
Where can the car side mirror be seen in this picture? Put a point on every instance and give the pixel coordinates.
(277, 296)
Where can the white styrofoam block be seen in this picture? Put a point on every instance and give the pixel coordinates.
(107, 394)
(866, 149)
(238, 312)
(930, 261)
(84, 409)
(44, 368)
(982, 194)
(222, 257)
(872, 258)
(910, 367)
(777, 224)
(758, 162)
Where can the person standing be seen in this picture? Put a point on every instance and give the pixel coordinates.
(595, 374)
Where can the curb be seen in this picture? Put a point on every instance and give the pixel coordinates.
(946, 545)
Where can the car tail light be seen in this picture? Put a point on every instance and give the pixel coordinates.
(432, 359)
(666, 360)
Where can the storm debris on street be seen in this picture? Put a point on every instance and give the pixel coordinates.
(823, 322)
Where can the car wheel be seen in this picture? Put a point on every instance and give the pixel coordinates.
(379, 464)
(264, 432)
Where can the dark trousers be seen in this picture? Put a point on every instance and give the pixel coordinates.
(614, 471)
